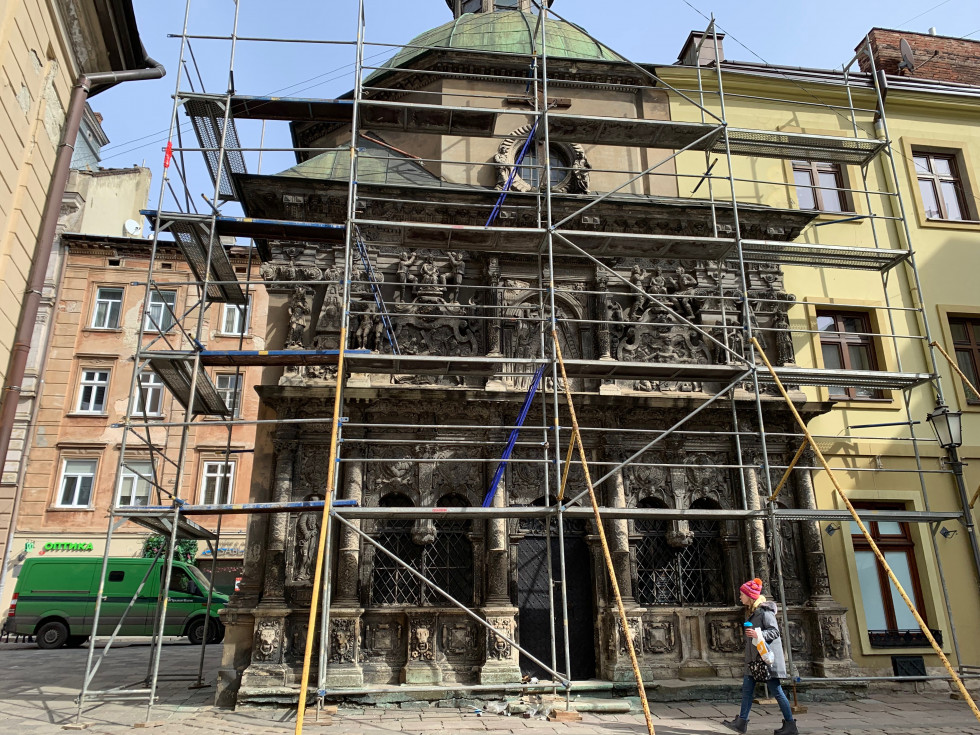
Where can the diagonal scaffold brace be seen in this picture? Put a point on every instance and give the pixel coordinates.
(607, 555)
(867, 534)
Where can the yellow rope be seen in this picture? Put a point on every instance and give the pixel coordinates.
(322, 542)
(568, 462)
(867, 535)
(577, 437)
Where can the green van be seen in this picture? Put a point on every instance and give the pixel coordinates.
(54, 601)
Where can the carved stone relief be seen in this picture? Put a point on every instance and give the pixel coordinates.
(343, 640)
(725, 636)
(576, 177)
(634, 628)
(658, 637)
(422, 643)
(268, 640)
(497, 648)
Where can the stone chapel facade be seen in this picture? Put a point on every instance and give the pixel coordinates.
(469, 294)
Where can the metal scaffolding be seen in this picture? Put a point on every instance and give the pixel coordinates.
(554, 227)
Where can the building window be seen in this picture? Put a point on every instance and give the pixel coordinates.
(446, 559)
(884, 609)
(108, 304)
(531, 169)
(819, 185)
(217, 482)
(160, 311)
(940, 186)
(681, 575)
(77, 478)
(966, 343)
(847, 343)
(149, 394)
(234, 318)
(229, 387)
(135, 483)
(92, 391)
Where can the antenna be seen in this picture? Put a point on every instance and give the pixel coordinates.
(908, 58)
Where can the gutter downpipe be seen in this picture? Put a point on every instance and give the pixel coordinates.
(46, 233)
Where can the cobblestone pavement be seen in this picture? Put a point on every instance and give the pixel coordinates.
(38, 688)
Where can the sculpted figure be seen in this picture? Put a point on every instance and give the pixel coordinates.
(580, 173)
(638, 278)
(457, 271)
(299, 318)
(405, 261)
(307, 540)
(684, 285)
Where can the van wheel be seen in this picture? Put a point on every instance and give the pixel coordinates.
(76, 641)
(52, 634)
(195, 632)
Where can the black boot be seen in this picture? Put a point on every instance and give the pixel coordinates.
(788, 728)
(738, 724)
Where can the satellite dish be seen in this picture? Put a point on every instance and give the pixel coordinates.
(132, 227)
(908, 58)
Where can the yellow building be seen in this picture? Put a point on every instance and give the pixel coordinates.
(46, 46)
(919, 195)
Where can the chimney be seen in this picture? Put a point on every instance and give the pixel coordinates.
(690, 55)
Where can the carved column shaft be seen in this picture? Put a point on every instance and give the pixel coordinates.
(494, 300)
(619, 544)
(497, 548)
(757, 531)
(349, 554)
(275, 556)
(816, 562)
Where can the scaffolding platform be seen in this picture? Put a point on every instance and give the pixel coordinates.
(176, 371)
(248, 358)
(194, 240)
(208, 121)
(872, 379)
(161, 522)
(790, 146)
(827, 256)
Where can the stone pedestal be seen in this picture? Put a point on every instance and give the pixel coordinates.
(422, 668)
(619, 667)
(344, 659)
(268, 669)
(502, 660)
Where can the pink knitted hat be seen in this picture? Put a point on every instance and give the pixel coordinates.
(752, 588)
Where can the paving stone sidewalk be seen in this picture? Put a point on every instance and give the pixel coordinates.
(38, 688)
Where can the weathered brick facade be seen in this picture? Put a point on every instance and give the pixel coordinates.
(949, 59)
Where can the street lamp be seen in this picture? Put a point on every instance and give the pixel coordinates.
(948, 426)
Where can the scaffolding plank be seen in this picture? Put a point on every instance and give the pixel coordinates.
(774, 144)
(245, 358)
(194, 238)
(812, 254)
(208, 120)
(175, 370)
(875, 379)
(161, 523)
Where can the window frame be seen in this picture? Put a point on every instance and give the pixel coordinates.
(126, 472)
(168, 320)
(890, 542)
(813, 169)
(156, 385)
(99, 301)
(972, 347)
(63, 476)
(244, 321)
(238, 391)
(865, 338)
(936, 181)
(84, 385)
(229, 475)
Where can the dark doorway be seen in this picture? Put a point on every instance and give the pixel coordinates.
(534, 621)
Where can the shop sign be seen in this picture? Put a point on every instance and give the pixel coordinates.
(233, 550)
(67, 546)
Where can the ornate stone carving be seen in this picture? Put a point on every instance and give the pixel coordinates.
(725, 636)
(575, 181)
(634, 628)
(343, 640)
(834, 636)
(307, 539)
(459, 639)
(382, 640)
(300, 309)
(268, 640)
(422, 641)
(497, 648)
(658, 637)
(797, 636)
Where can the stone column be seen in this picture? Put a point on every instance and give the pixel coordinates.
(494, 302)
(349, 547)
(816, 562)
(757, 530)
(618, 531)
(275, 554)
(502, 662)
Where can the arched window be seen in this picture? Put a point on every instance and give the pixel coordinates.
(686, 575)
(440, 550)
(532, 167)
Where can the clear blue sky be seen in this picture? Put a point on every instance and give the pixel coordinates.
(137, 115)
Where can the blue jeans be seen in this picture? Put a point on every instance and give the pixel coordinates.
(775, 691)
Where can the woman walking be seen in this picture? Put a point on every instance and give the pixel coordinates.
(762, 616)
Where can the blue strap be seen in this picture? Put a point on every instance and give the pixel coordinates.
(513, 437)
(513, 173)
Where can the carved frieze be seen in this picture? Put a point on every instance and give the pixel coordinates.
(343, 640)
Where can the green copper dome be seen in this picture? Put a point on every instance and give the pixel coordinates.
(505, 32)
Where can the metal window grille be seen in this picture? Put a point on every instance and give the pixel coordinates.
(447, 560)
(690, 575)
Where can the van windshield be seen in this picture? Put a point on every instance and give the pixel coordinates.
(202, 582)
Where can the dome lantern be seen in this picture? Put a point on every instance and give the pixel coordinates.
(461, 7)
